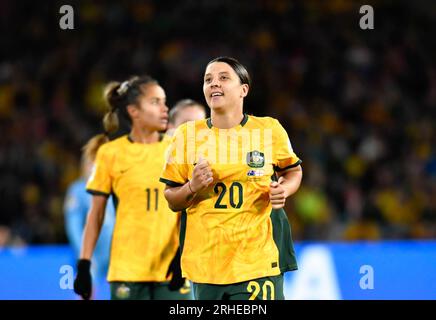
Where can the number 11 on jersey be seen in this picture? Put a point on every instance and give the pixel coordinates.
(149, 194)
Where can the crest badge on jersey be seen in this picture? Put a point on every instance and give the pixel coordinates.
(255, 159)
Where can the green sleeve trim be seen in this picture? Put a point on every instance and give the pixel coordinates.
(97, 193)
(170, 183)
(182, 235)
(278, 169)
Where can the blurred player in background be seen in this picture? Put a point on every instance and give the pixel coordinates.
(145, 256)
(236, 240)
(183, 111)
(76, 208)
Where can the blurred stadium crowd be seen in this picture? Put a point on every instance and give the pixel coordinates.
(359, 105)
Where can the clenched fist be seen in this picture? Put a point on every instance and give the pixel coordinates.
(202, 176)
(277, 195)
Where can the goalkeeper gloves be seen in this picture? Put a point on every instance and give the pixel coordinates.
(177, 281)
(83, 281)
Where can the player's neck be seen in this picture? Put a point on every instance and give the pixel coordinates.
(228, 119)
(139, 135)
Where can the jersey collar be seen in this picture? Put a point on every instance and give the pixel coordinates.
(161, 137)
(243, 122)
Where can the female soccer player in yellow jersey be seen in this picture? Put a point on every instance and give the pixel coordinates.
(145, 256)
(231, 174)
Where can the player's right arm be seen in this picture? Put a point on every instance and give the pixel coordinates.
(99, 185)
(93, 226)
(83, 281)
(180, 197)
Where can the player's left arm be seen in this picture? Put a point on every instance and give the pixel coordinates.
(288, 183)
(287, 167)
(290, 180)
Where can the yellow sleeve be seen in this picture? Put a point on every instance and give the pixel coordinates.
(100, 182)
(175, 172)
(284, 156)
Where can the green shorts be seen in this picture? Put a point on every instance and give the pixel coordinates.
(267, 288)
(148, 291)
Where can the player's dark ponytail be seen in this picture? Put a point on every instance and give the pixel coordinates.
(110, 122)
(114, 101)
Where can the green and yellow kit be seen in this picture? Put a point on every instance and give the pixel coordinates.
(230, 234)
(146, 233)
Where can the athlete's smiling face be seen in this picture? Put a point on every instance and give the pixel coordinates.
(222, 87)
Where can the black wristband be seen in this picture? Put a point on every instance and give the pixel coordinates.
(83, 265)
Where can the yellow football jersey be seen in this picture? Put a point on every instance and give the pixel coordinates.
(230, 233)
(146, 231)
